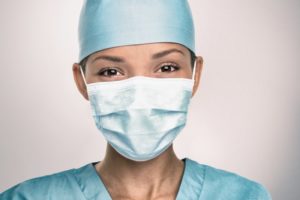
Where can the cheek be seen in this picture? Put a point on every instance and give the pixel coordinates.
(91, 74)
(186, 72)
(91, 77)
(186, 69)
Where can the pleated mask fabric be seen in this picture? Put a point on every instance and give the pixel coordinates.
(140, 125)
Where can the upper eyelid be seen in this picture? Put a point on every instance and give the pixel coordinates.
(107, 68)
(167, 63)
(104, 69)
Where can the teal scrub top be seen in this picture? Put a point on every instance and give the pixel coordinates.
(199, 182)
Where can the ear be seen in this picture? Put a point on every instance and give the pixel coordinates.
(79, 80)
(199, 66)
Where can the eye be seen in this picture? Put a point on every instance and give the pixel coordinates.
(109, 72)
(169, 67)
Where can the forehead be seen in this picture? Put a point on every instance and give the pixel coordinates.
(142, 50)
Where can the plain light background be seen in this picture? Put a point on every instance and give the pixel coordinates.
(244, 118)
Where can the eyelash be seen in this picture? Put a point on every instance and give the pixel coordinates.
(175, 67)
(106, 70)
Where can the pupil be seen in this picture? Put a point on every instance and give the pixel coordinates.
(112, 72)
(166, 68)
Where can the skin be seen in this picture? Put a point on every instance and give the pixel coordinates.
(160, 177)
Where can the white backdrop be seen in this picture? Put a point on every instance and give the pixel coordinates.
(245, 117)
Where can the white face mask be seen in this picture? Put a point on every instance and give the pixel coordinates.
(140, 116)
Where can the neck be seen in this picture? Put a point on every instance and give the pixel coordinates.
(149, 177)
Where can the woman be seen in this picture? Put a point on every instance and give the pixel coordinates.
(137, 67)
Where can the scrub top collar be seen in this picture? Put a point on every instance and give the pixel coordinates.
(93, 187)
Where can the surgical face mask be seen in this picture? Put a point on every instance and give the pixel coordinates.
(140, 116)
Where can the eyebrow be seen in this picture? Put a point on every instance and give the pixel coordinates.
(166, 52)
(154, 56)
(109, 58)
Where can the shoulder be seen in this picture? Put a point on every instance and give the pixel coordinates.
(221, 184)
(41, 187)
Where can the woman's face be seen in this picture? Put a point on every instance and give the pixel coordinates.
(158, 60)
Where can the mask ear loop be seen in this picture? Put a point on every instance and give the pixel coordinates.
(82, 74)
(194, 71)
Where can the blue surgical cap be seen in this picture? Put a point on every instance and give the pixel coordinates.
(111, 23)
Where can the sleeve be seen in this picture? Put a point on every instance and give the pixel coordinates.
(18, 192)
(56, 186)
